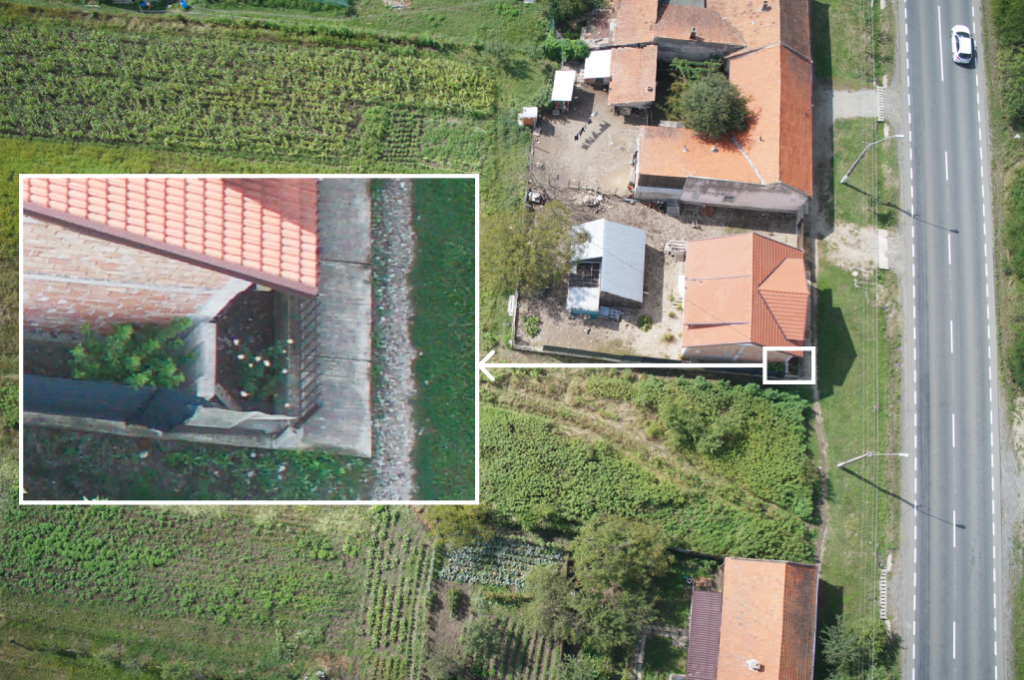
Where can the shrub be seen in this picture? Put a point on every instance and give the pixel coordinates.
(564, 10)
(9, 404)
(455, 603)
(1011, 67)
(262, 373)
(140, 356)
(564, 50)
(532, 326)
(1008, 17)
(668, 337)
(644, 323)
(713, 107)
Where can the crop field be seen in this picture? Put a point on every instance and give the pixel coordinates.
(586, 444)
(255, 99)
(524, 656)
(499, 562)
(261, 593)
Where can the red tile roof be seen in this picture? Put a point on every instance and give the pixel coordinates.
(678, 152)
(676, 21)
(264, 227)
(769, 614)
(744, 289)
(787, 22)
(634, 75)
(633, 21)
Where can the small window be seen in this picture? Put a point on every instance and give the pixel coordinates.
(729, 199)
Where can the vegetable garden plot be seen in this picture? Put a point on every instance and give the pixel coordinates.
(257, 99)
(500, 562)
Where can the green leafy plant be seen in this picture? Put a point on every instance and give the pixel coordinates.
(262, 373)
(711, 106)
(668, 337)
(9, 404)
(532, 326)
(644, 323)
(140, 356)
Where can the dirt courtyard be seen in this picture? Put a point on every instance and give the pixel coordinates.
(662, 271)
(601, 160)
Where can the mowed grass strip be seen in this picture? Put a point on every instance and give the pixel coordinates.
(874, 184)
(859, 401)
(443, 287)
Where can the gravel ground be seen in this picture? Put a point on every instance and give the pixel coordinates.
(394, 431)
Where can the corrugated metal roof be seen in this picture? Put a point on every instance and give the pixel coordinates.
(705, 629)
(622, 251)
(588, 299)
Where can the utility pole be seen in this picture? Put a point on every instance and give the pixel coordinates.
(847, 175)
(868, 454)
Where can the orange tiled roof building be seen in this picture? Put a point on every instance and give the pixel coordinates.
(149, 250)
(766, 46)
(766, 620)
(743, 293)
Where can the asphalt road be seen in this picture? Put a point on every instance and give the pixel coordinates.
(951, 540)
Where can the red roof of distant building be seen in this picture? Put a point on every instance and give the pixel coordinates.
(264, 229)
(769, 615)
(744, 289)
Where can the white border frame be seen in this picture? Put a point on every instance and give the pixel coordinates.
(764, 366)
(470, 360)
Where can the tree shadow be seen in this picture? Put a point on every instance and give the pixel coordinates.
(834, 338)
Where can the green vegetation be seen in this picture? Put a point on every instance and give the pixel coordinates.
(852, 649)
(662, 658)
(139, 356)
(531, 325)
(251, 593)
(870, 196)
(64, 464)
(644, 323)
(500, 562)
(564, 50)
(531, 465)
(443, 288)
(261, 375)
(859, 387)
(9, 413)
(853, 44)
(710, 105)
(565, 10)
(686, 73)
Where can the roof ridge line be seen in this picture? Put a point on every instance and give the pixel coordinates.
(793, 50)
(750, 162)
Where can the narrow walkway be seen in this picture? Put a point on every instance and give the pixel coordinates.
(344, 420)
(859, 104)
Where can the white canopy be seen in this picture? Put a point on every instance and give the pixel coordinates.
(598, 65)
(565, 82)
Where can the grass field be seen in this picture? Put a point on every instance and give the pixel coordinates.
(853, 42)
(443, 281)
(584, 445)
(875, 182)
(859, 390)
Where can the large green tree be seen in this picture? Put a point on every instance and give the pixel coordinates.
(613, 551)
(712, 106)
(460, 525)
(550, 610)
(855, 649)
(531, 253)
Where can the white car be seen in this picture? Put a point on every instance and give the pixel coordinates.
(963, 45)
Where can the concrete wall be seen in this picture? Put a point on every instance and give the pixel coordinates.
(772, 197)
(691, 50)
(72, 278)
(740, 353)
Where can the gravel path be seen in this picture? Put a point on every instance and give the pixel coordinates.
(394, 431)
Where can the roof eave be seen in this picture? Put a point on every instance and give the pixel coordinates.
(149, 245)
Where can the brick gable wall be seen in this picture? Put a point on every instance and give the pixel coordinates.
(72, 278)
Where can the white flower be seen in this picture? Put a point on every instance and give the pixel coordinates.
(241, 357)
(259, 358)
(243, 393)
(235, 342)
(251, 364)
(287, 404)
(284, 371)
(252, 454)
(290, 341)
(282, 468)
(266, 362)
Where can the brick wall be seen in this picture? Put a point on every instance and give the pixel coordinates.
(71, 278)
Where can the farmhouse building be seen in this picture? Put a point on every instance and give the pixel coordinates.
(764, 621)
(608, 269)
(742, 293)
(766, 47)
(103, 251)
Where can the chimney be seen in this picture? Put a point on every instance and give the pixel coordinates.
(753, 665)
(684, 149)
(765, 7)
(693, 32)
(714, 149)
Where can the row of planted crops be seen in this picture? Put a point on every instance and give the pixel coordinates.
(500, 562)
(397, 577)
(217, 94)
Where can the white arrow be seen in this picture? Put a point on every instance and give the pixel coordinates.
(733, 367)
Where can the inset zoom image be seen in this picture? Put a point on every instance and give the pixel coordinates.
(240, 338)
